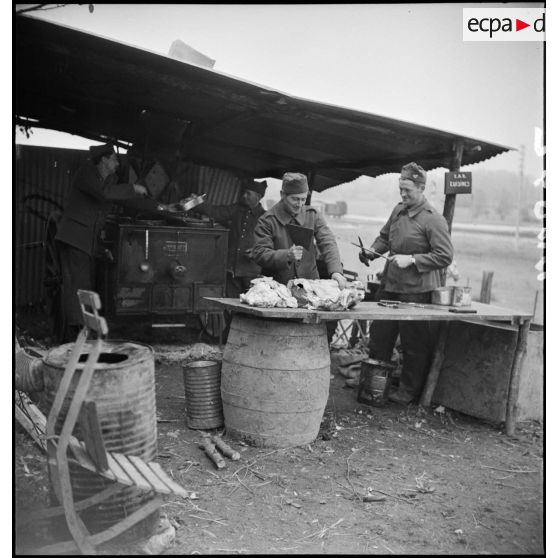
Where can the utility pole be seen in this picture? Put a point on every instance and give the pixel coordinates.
(519, 188)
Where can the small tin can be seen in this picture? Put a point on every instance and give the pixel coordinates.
(461, 296)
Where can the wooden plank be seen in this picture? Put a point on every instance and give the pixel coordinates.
(476, 370)
(90, 305)
(65, 383)
(75, 524)
(97, 324)
(132, 472)
(175, 488)
(494, 325)
(486, 286)
(31, 427)
(151, 477)
(83, 459)
(82, 456)
(92, 436)
(435, 367)
(367, 310)
(90, 299)
(449, 202)
(121, 476)
(521, 349)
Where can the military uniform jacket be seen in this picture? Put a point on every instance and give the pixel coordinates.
(273, 243)
(241, 220)
(423, 233)
(89, 201)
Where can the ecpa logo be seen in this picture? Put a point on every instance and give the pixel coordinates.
(503, 24)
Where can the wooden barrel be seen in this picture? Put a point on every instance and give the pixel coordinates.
(123, 388)
(274, 381)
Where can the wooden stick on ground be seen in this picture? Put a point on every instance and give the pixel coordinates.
(225, 448)
(212, 452)
(436, 366)
(520, 350)
(31, 418)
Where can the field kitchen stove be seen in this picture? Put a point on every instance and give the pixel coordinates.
(162, 267)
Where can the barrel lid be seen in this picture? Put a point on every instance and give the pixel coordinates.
(116, 354)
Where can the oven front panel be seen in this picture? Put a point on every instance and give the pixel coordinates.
(165, 270)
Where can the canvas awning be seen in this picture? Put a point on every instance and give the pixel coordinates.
(83, 84)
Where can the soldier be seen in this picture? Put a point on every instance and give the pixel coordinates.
(241, 219)
(93, 192)
(418, 242)
(273, 249)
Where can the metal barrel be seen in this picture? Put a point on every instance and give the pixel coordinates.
(275, 381)
(123, 389)
(28, 371)
(202, 389)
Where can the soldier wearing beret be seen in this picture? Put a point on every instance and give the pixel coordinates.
(94, 189)
(241, 219)
(274, 251)
(417, 240)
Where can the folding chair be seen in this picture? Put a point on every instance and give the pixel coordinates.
(90, 453)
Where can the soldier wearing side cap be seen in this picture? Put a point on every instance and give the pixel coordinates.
(417, 240)
(94, 189)
(241, 219)
(273, 249)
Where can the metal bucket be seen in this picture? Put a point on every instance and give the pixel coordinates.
(442, 295)
(374, 383)
(202, 388)
(275, 381)
(123, 388)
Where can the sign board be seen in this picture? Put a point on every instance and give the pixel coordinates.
(458, 182)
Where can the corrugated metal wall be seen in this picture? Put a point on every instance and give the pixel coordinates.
(221, 186)
(43, 179)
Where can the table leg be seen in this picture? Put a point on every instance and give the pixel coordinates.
(436, 366)
(520, 350)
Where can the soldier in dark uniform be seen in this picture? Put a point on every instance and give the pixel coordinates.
(241, 219)
(94, 189)
(418, 242)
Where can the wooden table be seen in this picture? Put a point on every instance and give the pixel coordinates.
(372, 311)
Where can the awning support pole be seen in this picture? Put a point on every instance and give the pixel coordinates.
(440, 349)
(449, 203)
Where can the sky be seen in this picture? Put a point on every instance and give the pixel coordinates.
(403, 61)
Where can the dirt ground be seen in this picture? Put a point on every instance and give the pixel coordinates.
(389, 480)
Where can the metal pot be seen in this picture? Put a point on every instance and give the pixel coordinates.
(191, 202)
(443, 296)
